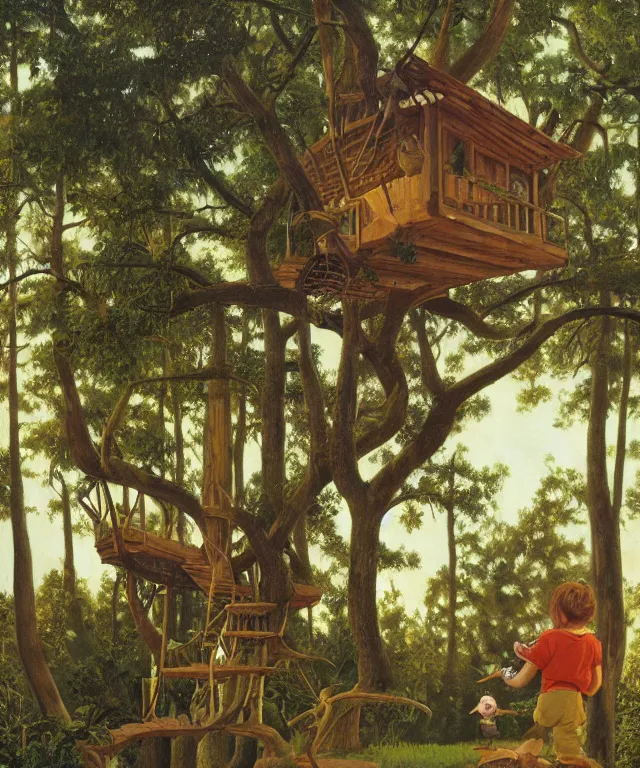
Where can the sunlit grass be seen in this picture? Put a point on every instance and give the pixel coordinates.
(426, 755)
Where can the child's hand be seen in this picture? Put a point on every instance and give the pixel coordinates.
(520, 650)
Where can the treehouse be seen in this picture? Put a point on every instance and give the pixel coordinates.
(439, 189)
(163, 561)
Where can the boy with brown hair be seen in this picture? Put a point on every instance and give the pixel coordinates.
(570, 659)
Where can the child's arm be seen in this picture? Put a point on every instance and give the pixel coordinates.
(596, 681)
(524, 676)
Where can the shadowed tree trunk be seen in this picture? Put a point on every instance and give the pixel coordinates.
(450, 678)
(217, 488)
(606, 557)
(30, 650)
(79, 645)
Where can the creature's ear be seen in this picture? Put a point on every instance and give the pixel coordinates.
(476, 709)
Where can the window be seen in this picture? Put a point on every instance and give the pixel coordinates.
(348, 222)
(458, 158)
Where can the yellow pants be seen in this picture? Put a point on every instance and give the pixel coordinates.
(564, 712)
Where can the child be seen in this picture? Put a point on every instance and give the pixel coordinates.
(570, 658)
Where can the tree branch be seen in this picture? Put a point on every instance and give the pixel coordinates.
(366, 51)
(440, 55)
(454, 310)
(438, 424)
(578, 48)
(431, 379)
(266, 297)
(276, 140)
(487, 45)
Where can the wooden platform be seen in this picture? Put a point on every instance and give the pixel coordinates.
(165, 561)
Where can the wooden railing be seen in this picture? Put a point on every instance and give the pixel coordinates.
(498, 207)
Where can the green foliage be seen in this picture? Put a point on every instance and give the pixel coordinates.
(405, 252)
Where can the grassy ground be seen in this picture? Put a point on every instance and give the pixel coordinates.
(426, 755)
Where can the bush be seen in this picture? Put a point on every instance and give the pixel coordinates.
(627, 726)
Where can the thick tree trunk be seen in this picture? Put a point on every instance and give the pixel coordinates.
(606, 559)
(374, 668)
(217, 471)
(29, 648)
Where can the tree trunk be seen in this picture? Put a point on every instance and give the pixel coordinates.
(245, 753)
(30, 650)
(606, 559)
(450, 678)
(155, 753)
(217, 471)
(79, 647)
(273, 421)
(184, 749)
(374, 668)
(115, 593)
(213, 751)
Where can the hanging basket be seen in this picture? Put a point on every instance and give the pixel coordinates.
(325, 274)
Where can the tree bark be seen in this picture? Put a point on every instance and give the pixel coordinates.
(217, 470)
(606, 559)
(273, 422)
(80, 645)
(487, 45)
(450, 678)
(374, 669)
(30, 650)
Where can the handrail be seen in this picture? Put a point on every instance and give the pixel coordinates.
(507, 199)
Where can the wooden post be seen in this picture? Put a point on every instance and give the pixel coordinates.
(537, 216)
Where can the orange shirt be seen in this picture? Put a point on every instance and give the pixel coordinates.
(567, 660)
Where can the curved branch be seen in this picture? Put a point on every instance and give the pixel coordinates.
(265, 297)
(523, 293)
(454, 310)
(384, 698)
(578, 48)
(213, 179)
(88, 460)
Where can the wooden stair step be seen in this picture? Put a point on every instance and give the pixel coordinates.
(247, 634)
(220, 671)
(190, 672)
